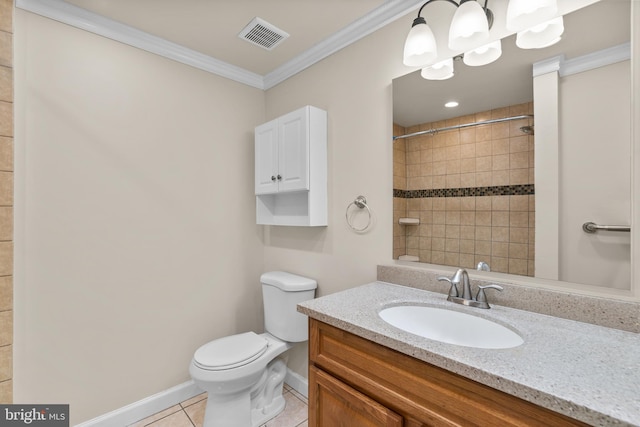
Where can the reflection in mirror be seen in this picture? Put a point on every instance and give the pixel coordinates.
(514, 194)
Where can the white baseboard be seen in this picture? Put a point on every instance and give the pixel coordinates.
(297, 382)
(146, 407)
(165, 399)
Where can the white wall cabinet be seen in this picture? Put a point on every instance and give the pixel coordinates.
(282, 154)
(291, 169)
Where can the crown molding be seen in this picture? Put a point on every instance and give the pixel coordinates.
(549, 65)
(590, 61)
(83, 19)
(596, 59)
(388, 12)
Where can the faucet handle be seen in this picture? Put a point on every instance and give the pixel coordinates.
(481, 296)
(453, 290)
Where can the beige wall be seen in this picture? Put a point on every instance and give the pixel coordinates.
(354, 86)
(6, 200)
(135, 217)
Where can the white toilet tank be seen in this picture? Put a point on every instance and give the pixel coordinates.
(281, 292)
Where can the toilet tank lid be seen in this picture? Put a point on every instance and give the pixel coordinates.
(287, 281)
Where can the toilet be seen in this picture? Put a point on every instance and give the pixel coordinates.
(243, 374)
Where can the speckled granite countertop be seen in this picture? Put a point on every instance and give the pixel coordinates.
(584, 371)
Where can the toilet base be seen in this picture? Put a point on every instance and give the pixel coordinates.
(266, 397)
(259, 418)
(253, 407)
(227, 412)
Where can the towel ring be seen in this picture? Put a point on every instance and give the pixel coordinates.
(361, 203)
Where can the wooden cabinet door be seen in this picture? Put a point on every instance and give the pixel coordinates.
(335, 404)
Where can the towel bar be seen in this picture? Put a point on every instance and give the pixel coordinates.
(590, 227)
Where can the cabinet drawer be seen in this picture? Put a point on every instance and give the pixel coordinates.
(417, 390)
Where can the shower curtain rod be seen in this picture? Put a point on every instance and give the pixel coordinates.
(466, 125)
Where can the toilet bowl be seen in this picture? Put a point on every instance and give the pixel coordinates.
(243, 374)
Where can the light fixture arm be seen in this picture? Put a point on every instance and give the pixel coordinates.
(489, 14)
(431, 1)
(487, 11)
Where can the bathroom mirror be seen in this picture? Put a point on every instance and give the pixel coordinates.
(476, 194)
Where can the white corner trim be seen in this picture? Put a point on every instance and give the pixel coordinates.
(83, 19)
(596, 59)
(75, 16)
(146, 407)
(388, 12)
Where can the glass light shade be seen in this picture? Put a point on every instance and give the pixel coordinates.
(542, 35)
(440, 71)
(420, 47)
(469, 27)
(523, 14)
(484, 54)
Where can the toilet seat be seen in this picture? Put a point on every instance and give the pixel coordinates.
(230, 352)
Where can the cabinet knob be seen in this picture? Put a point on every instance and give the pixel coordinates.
(279, 177)
(273, 178)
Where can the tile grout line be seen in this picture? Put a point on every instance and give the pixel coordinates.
(161, 418)
(188, 417)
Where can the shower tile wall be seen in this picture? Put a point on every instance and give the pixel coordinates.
(483, 210)
(6, 200)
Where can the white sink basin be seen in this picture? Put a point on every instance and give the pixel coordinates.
(449, 326)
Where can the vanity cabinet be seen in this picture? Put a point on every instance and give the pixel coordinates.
(355, 382)
(291, 169)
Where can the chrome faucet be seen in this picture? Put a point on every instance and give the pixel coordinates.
(461, 277)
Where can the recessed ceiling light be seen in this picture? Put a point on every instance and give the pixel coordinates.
(451, 104)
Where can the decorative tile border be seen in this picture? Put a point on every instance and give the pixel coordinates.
(498, 190)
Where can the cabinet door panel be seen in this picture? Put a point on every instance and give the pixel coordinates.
(266, 145)
(338, 405)
(294, 151)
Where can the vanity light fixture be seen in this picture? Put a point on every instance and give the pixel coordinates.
(420, 47)
(439, 71)
(469, 32)
(542, 35)
(483, 55)
(469, 28)
(523, 14)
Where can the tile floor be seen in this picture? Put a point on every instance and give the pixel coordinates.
(190, 413)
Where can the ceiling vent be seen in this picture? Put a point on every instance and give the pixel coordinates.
(263, 34)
